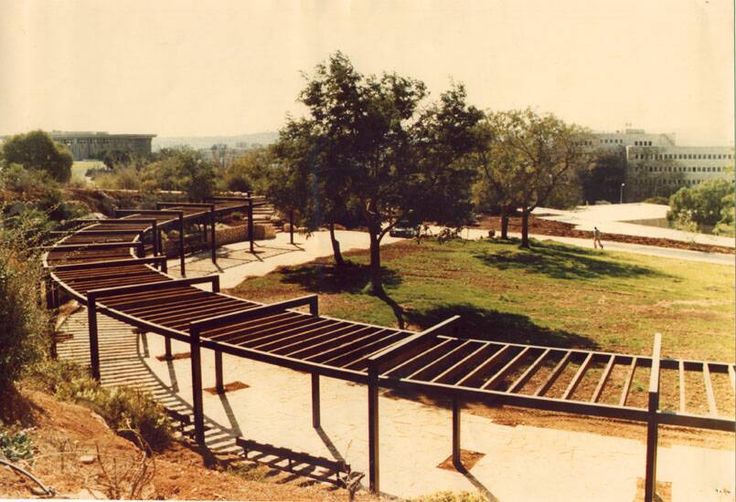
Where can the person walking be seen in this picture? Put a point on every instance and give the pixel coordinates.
(597, 238)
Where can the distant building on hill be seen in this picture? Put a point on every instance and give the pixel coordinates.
(656, 166)
(90, 145)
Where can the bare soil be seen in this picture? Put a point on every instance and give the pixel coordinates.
(556, 228)
(62, 433)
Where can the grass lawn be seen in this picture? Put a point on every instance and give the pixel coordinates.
(555, 295)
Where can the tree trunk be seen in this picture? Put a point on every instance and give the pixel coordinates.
(376, 283)
(525, 229)
(504, 222)
(339, 261)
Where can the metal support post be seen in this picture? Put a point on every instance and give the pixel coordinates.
(251, 227)
(197, 387)
(650, 485)
(291, 226)
(181, 245)
(316, 421)
(213, 244)
(650, 482)
(156, 239)
(373, 450)
(219, 384)
(167, 348)
(456, 459)
(94, 344)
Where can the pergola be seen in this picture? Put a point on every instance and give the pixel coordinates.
(105, 265)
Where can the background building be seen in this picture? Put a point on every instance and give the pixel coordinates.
(654, 165)
(90, 145)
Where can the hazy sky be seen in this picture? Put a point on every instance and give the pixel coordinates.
(230, 67)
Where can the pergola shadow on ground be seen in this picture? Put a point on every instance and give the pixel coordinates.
(125, 356)
(199, 263)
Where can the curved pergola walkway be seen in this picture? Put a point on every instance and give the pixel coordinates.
(116, 267)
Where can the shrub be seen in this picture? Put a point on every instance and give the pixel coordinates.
(24, 324)
(121, 407)
(15, 445)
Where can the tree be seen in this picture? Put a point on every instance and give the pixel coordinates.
(181, 169)
(603, 181)
(530, 159)
(36, 150)
(705, 204)
(366, 146)
(248, 171)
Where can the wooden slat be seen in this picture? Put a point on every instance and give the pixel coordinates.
(602, 382)
(408, 366)
(519, 383)
(508, 367)
(553, 375)
(458, 368)
(681, 372)
(578, 377)
(198, 307)
(243, 332)
(294, 340)
(338, 337)
(709, 391)
(627, 385)
(288, 340)
(438, 362)
(501, 352)
(356, 358)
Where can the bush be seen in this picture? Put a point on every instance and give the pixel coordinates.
(121, 407)
(664, 201)
(15, 445)
(24, 324)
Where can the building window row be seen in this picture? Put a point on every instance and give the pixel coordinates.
(683, 156)
(686, 169)
(659, 181)
(642, 143)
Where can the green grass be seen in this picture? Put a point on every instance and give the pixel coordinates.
(554, 295)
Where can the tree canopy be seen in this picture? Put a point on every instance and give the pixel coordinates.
(530, 160)
(369, 146)
(36, 150)
(707, 204)
(181, 169)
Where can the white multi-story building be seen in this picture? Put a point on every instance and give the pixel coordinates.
(656, 166)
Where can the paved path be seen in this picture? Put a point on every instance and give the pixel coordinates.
(235, 262)
(520, 463)
(622, 219)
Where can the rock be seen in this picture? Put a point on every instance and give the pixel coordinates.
(88, 459)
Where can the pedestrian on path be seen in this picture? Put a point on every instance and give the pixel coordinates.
(597, 238)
